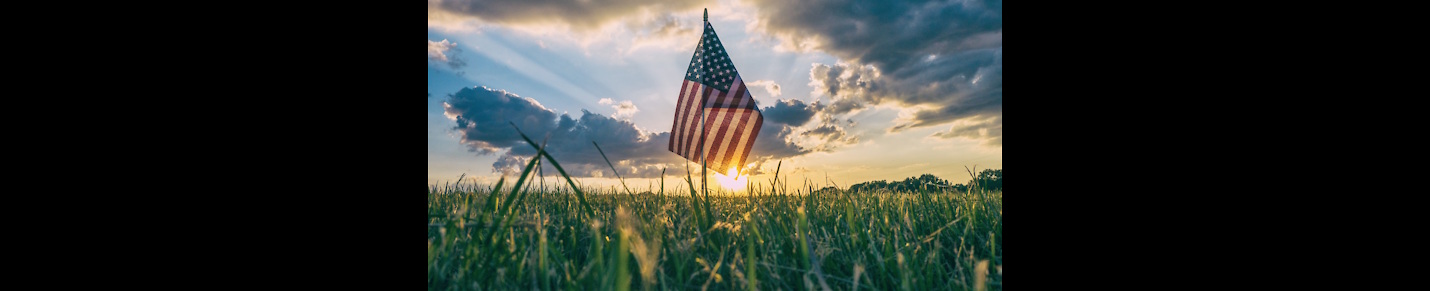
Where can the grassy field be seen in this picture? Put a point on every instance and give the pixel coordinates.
(780, 237)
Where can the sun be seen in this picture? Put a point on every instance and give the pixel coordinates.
(735, 183)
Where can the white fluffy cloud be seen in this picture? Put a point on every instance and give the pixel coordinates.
(624, 109)
(445, 52)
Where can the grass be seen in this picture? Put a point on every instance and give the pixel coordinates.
(510, 237)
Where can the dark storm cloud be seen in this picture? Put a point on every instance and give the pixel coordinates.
(784, 119)
(580, 14)
(774, 143)
(792, 112)
(636, 154)
(482, 116)
(890, 35)
(482, 113)
(943, 55)
(965, 85)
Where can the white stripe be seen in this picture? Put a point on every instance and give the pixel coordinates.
(675, 123)
(699, 149)
(749, 131)
(709, 139)
(733, 115)
(691, 114)
(715, 132)
(680, 127)
(710, 126)
(714, 153)
(695, 129)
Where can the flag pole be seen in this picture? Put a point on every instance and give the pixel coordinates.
(703, 165)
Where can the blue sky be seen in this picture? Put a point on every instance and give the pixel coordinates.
(881, 93)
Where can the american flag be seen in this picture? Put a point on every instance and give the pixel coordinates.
(732, 121)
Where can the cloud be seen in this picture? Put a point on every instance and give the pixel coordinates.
(827, 132)
(625, 109)
(445, 52)
(481, 115)
(636, 153)
(667, 31)
(770, 87)
(788, 117)
(989, 130)
(829, 135)
(890, 35)
(972, 87)
(791, 112)
(943, 58)
(845, 105)
(775, 142)
(616, 29)
(582, 15)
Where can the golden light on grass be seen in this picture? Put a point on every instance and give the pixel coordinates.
(731, 181)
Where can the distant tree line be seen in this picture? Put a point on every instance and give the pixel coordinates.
(987, 180)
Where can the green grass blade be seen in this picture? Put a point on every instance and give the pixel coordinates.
(580, 196)
(613, 170)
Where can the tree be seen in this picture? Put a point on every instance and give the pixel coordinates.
(988, 180)
(910, 184)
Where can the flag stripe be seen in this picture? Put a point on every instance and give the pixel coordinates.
(739, 132)
(727, 125)
(678, 134)
(676, 124)
(718, 134)
(698, 147)
(749, 143)
(723, 120)
(745, 99)
(691, 150)
(685, 112)
(708, 139)
(716, 119)
(689, 121)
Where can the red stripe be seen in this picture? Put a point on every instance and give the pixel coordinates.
(718, 126)
(754, 133)
(723, 122)
(715, 126)
(693, 138)
(713, 121)
(726, 119)
(746, 97)
(705, 139)
(690, 151)
(739, 133)
(687, 120)
(676, 123)
(720, 102)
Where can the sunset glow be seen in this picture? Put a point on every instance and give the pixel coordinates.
(736, 184)
(913, 88)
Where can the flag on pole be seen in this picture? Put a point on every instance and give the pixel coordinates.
(713, 88)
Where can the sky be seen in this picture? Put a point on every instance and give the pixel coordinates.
(851, 91)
